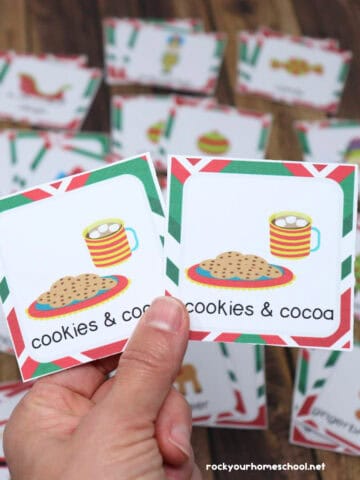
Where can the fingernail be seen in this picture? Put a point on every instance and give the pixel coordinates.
(180, 437)
(165, 313)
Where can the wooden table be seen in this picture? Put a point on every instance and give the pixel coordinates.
(74, 26)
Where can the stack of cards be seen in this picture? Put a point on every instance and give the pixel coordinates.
(45, 90)
(10, 395)
(294, 70)
(220, 391)
(326, 405)
(29, 158)
(185, 125)
(162, 54)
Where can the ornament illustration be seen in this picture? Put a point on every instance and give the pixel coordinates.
(155, 131)
(297, 66)
(29, 86)
(188, 374)
(239, 271)
(171, 55)
(213, 143)
(352, 153)
(71, 294)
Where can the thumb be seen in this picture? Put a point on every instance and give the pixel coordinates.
(151, 360)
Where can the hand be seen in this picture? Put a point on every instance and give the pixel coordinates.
(78, 425)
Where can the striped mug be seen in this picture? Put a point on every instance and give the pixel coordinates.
(108, 243)
(290, 235)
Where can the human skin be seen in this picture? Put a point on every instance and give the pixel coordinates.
(80, 425)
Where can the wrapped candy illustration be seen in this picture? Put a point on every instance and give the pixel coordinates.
(171, 55)
(213, 143)
(29, 86)
(297, 66)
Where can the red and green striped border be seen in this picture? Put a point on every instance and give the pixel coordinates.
(138, 167)
(344, 175)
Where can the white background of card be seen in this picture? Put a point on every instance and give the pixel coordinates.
(210, 227)
(49, 76)
(312, 87)
(190, 123)
(38, 248)
(138, 115)
(5, 182)
(197, 49)
(213, 377)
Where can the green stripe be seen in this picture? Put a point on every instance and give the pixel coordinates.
(224, 349)
(258, 358)
(13, 153)
(133, 38)
(110, 35)
(242, 51)
(169, 125)
(176, 202)
(86, 153)
(346, 267)
(13, 202)
(45, 368)
(333, 358)
(264, 134)
(101, 138)
(39, 157)
(257, 168)
(232, 376)
(117, 118)
(261, 391)
(172, 271)
(348, 186)
(136, 167)
(344, 123)
(319, 383)
(219, 48)
(303, 376)
(255, 55)
(344, 70)
(244, 75)
(4, 290)
(91, 87)
(250, 338)
(4, 71)
(303, 140)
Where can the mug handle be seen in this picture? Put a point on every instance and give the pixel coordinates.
(128, 229)
(318, 239)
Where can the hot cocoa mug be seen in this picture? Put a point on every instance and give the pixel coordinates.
(290, 235)
(108, 242)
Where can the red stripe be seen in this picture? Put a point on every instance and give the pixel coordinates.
(260, 420)
(344, 327)
(274, 233)
(347, 344)
(299, 437)
(167, 293)
(179, 171)
(28, 368)
(342, 440)
(217, 143)
(95, 248)
(16, 332)
(273, 339)
(193, 161)
(111, 261)
(306, 407)
(305, 354)
(319, 167)
(297, 169)
(36, 194)
(106, 351)
(215, 166)
(227, 337)
(201, 419)
(66, 362)
(78, 181)
(197, 335)
(340, 173)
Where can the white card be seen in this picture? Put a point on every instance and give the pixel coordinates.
(47, 93)
(218, 130)
(181, 61)
(92, 241)
(293, 281)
